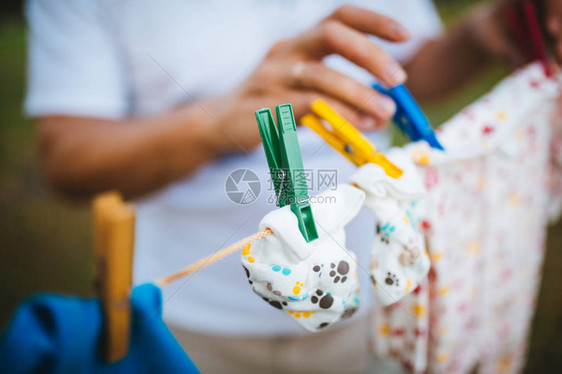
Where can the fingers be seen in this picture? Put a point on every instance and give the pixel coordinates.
(501, 33)
(361, 120)
(370, 22)
(492, 31)
(301, 101)
(304, 78)
(318, 77)
(333, 37)
(303, 82)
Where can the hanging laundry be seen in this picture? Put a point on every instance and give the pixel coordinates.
(315, 283)
(399, 261)
(485, 215)
(59, 334)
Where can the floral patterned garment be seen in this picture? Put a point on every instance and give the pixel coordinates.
(485, 216)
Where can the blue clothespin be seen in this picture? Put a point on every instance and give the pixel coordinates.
(409, 118)
(285, 165)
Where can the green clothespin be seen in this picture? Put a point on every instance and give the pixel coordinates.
(285, 165)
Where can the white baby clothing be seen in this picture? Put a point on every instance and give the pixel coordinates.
(485, 215)
(399, 261)
(314, 283)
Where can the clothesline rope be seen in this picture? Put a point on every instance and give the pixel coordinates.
(208, 260)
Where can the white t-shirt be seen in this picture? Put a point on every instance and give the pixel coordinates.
(113, 59)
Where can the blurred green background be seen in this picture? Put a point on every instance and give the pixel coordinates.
(45, 241)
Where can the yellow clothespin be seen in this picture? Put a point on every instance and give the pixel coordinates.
(114, 226)
(346, 139)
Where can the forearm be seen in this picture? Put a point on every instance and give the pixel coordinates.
(84, 156)
(446, 62)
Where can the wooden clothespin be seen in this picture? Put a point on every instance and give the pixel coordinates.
(346, 139)
(285, 165)
(114, 226)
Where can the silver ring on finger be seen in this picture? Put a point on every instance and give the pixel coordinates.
(297, 73)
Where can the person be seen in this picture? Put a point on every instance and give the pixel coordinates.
(156, 100)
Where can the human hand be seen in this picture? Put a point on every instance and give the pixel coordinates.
(554, 25)
(491, 31)
(293, 72)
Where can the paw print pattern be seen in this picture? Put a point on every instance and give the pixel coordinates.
(339, 273)
(246, 252)
(283, 270)
(318, 269)
(298, 282)
(274, 303)
(247, 274)
(387, 229)
(391, 280)
(296, 291)
(348, 312)
(409, 258)
(270, 288)
(299, 313)
(325, 301)
(383, 238)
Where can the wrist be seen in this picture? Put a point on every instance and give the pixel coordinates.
(233, 126)
(195, 131)
(219, 136)
(222, 125)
